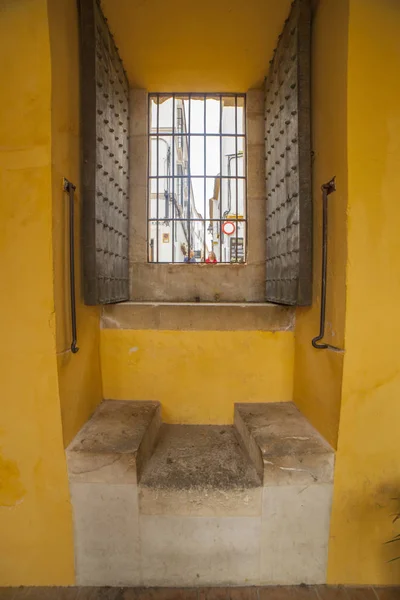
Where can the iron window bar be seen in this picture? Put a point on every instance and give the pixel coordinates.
(198, 176)
(70, 189)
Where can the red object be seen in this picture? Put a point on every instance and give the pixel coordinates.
(208, 260)
(229, 227)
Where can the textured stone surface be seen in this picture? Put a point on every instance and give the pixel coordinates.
(115, 443)
(196, 316)
(159, 594)
(367, 593)
(200, 514)
(295, 533)
(106, 532)
(200, 470)
(283, 445)
(159, 282)
(337, 592)
(232, 593)
(288, 593)
(387, 593)
(200, 551)
(200, 593)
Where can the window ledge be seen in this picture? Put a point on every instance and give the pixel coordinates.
(208, 316)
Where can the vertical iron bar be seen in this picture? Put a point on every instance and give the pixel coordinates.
(220, 180)
(237, 181)
(189, 176)
(327, 189)
(244, 181)
(158, 178)
(173, 178)
(205, 178)
(150, 246)
(70, 188)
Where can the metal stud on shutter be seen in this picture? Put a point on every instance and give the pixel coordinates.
(105, 165)
(288, 163)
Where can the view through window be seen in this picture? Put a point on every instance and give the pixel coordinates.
(197, 178)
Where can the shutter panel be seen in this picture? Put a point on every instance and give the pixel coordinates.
(105, 161)
(288, 163)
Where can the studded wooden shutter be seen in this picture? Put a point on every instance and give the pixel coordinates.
(105, 161)
(288, 163)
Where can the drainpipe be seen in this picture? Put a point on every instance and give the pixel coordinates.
(168, 174)
(230, 158)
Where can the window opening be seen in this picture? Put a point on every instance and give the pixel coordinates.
(197, 178)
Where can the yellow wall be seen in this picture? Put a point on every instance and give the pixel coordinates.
(79, 374)
(318, 373)
(197, 375)
(47, 393)
(35, 514)
(367, 465)
(196, 46)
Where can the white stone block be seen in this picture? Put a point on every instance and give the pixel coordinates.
(186, 551)
(106, 528)
(295, 534)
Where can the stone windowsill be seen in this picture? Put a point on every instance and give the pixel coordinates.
(208, 316)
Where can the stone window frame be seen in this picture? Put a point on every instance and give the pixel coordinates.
(161, 282)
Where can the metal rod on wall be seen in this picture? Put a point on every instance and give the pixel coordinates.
(70, 188)
(327, 189)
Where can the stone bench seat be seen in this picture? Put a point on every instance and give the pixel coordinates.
(187, 505)
(284, 446)
(114, 444)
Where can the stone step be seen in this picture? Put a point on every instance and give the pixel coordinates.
(296, 466)
(114, 445)
(105, 462)
(200, 503)
(199, 470)
(283, 445)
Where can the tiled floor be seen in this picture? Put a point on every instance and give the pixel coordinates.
(247, 593)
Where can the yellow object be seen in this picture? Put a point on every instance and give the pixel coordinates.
(352, 396)
(318, 373)
(197, 375)
(35, 513)
(367, 474)
(79, 374)
(206, 46)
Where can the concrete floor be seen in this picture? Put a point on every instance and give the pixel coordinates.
(221, 593)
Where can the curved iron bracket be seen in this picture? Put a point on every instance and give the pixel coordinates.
(327, 189)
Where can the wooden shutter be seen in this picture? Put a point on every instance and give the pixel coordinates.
(288, 163)
(105, 161)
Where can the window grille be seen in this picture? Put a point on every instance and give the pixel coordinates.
(197, 178)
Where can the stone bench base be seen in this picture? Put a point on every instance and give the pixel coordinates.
(187, 505)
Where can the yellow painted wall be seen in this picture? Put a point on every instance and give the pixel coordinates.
(35, 514)
(79, 374)
(318, 373)
(47, 394)
(367, 465)
(197, 375)
(207, 46)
